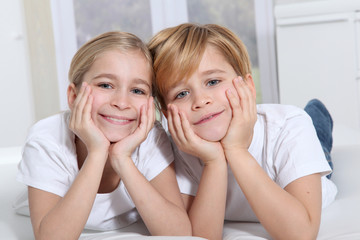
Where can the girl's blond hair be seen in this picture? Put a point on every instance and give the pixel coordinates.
(87, 54)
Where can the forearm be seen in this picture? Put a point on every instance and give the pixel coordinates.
(69, 216)
(208, 209)
(161, 216)
(281, 214)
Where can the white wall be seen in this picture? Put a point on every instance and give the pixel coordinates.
(29, 88)
(16, 99)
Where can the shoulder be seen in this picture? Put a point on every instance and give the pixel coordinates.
(279, 113)
(51, 137)
(278, 117)
(50, 127)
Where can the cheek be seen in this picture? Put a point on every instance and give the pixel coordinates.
(98, 102)
(138, 103)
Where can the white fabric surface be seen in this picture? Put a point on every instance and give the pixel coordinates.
(340, 220)
(17, 227)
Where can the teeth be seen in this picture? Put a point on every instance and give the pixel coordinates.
(117, 120)
(209, 117)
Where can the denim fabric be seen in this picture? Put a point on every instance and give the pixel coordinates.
(324, 125)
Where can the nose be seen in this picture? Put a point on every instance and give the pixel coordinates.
(120, 100)
(201, 99)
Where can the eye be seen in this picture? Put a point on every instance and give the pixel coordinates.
(138, 91)
(105, 85)
(212, 82)
(182, 94)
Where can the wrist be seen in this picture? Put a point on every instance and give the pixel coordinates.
(97, 154)
(218, 161)
(236, 154)
(121, 164)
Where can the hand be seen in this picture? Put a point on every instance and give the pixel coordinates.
(244, 115)
(125, 147)
(82, 124)
(185, 138)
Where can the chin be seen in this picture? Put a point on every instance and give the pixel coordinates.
(212, 136)
(113, 138)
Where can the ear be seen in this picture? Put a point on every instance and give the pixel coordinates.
(250, 82)
(71, 95)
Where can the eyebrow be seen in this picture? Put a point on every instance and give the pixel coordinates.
(212, 71)
(113, 77)
(205, 73)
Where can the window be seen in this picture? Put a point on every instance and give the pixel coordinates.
(94, 17)
(251, 20)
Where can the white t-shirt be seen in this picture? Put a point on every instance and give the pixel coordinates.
(284, 144)
(49, 163)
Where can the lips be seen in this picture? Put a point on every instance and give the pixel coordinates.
(117, 120)
(208, 117)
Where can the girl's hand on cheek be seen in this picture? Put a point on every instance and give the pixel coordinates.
(82, 124)
(123, 149)
(185, 138)
(244, 115)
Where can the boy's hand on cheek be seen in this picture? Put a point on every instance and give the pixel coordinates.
(123, 149)
(81, 122)
(185, 138)
(244, 115)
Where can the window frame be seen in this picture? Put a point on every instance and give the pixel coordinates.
(166, 14)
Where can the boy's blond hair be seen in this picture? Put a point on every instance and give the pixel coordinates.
(87, 54)
(177, 52)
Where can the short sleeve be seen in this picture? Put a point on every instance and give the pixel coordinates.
(45, 167)
(298, 152)
(155, 153)
(188, 172)
(188, 168)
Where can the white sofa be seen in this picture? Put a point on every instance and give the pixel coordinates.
(341, 220)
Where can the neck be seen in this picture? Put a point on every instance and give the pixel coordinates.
(110, 179)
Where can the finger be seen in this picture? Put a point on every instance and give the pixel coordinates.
(170, 120)
(87, 108)
(143, 117)
(245, 94)
(75, 110)
(247, 99)
(234, 102)
(188, 132)
(80, 104)
(151, 114)
(177, 124)
(174, 125)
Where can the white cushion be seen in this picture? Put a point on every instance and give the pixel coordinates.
(340, 220)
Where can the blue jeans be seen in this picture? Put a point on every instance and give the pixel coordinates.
(323, 125)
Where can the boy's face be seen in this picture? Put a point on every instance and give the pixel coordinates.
(121, 84)
(202, 97)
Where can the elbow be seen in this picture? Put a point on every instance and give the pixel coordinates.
(300, 234)
(306, 235)
(182, 229)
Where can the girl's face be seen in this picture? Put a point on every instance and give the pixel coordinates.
(121, 84)
(202, 97)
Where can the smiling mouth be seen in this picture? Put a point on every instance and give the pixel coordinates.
(208, 118)
(117, 120)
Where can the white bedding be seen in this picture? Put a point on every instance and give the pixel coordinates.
(341, 220)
